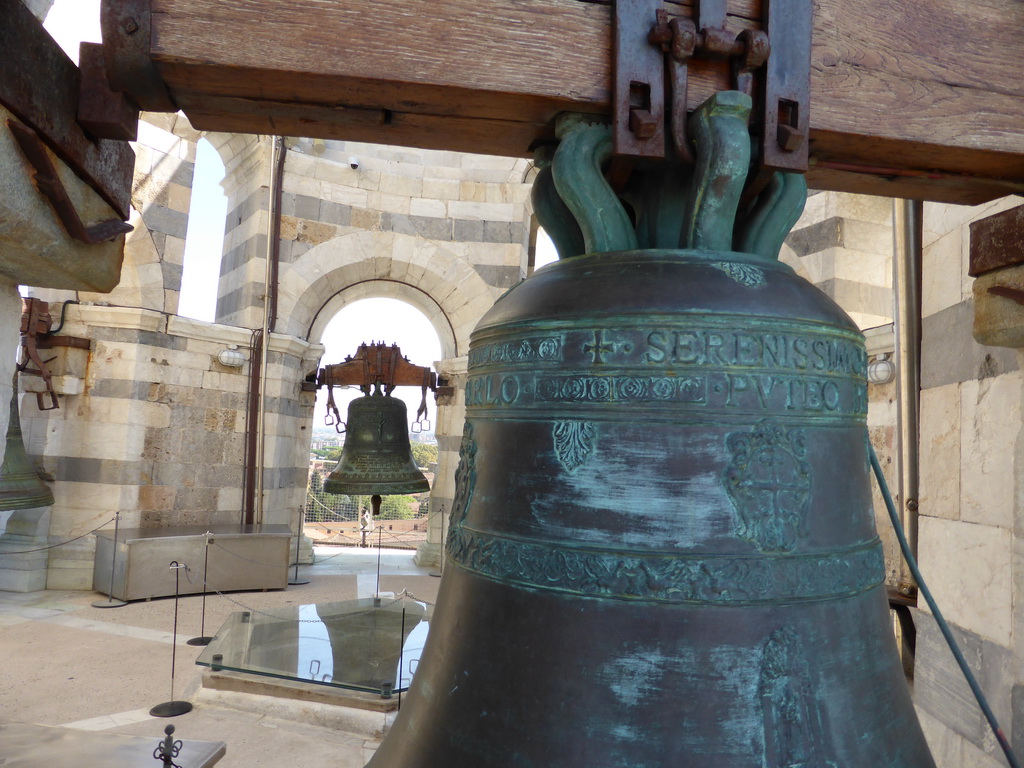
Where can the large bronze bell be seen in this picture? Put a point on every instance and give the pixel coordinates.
(377, 457)
(20, 486)
(662, 548)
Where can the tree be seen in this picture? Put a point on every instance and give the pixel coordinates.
(397, 507)
(424, 454)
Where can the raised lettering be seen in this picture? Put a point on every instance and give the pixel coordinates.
(657, 342)
(737, 383)
(509, 390)
(830, 394)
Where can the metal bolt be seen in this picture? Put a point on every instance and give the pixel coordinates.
(130, 26)
(789, 138)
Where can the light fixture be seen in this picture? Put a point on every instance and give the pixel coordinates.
(881, 370)
(231, 357)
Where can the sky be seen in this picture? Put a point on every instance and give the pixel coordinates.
(389, 320)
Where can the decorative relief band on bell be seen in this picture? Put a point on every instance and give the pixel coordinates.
(699, 342)
(790, 371)
(663, 577)
(717, 391)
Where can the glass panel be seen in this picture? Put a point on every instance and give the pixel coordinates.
(356, 644)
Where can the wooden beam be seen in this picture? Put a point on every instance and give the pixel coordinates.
(914, 99)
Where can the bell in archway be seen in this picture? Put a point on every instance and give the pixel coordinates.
(377, 457)
(662, 548)
(20, 486)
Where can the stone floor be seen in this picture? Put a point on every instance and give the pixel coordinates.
(68, 663)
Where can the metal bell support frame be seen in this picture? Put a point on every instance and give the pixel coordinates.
(662, 548)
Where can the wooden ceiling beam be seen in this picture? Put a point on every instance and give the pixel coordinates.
(905, 100)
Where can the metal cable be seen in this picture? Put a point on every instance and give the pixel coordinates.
(61, 544)
(894, 517)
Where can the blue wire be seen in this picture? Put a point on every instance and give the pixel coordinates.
(1011, 758)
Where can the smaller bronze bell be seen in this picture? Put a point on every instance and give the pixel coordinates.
(376, 458)
(20, 486)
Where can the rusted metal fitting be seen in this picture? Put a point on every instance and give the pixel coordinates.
(756, 50)
(684, 39)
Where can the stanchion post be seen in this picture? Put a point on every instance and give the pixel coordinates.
(203, 638)
(173, 708)
(295, 581)
(111, 602)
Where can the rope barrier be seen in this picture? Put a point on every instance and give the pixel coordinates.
(60, 544)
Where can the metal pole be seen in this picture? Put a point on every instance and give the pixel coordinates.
(173, 708)
(440, 572)
(203, 638)
(296, 581)
(277, 145)
(907, 250)
(110, 602)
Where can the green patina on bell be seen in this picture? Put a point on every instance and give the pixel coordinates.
(20, 486)
(662, 548)
(377, 457)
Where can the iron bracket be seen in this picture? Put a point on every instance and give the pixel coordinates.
(647, 43)
(127, 35)
(41, 86)
(50, 185)
(35, 323)
(102, 111)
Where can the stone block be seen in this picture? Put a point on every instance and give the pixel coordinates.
(999, 320)
(968, 568)
(364, 219)
(461, 209)
(468, 230)
(157, 497)
(990, 423)
(471, 191)
(167, 220)
(441, 189)
(940, 452)
(941, 272)
(941, 690)
(388, 203)
(431, 208)
(177, 474)
(950, 354)
(335, 213)
(314, 233)
(401, 186)
(202, 500)
(336, 173)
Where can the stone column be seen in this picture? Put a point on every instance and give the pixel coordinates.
(451, 416)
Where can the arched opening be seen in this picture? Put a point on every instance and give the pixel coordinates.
(343, 520)
(204, 239)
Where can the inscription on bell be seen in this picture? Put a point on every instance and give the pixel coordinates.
(741, 392)
(776, 351)
(670, 346)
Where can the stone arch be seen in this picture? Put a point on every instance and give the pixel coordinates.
(384, 288)
(359, 264)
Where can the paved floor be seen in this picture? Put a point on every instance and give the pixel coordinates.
(67, 663)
